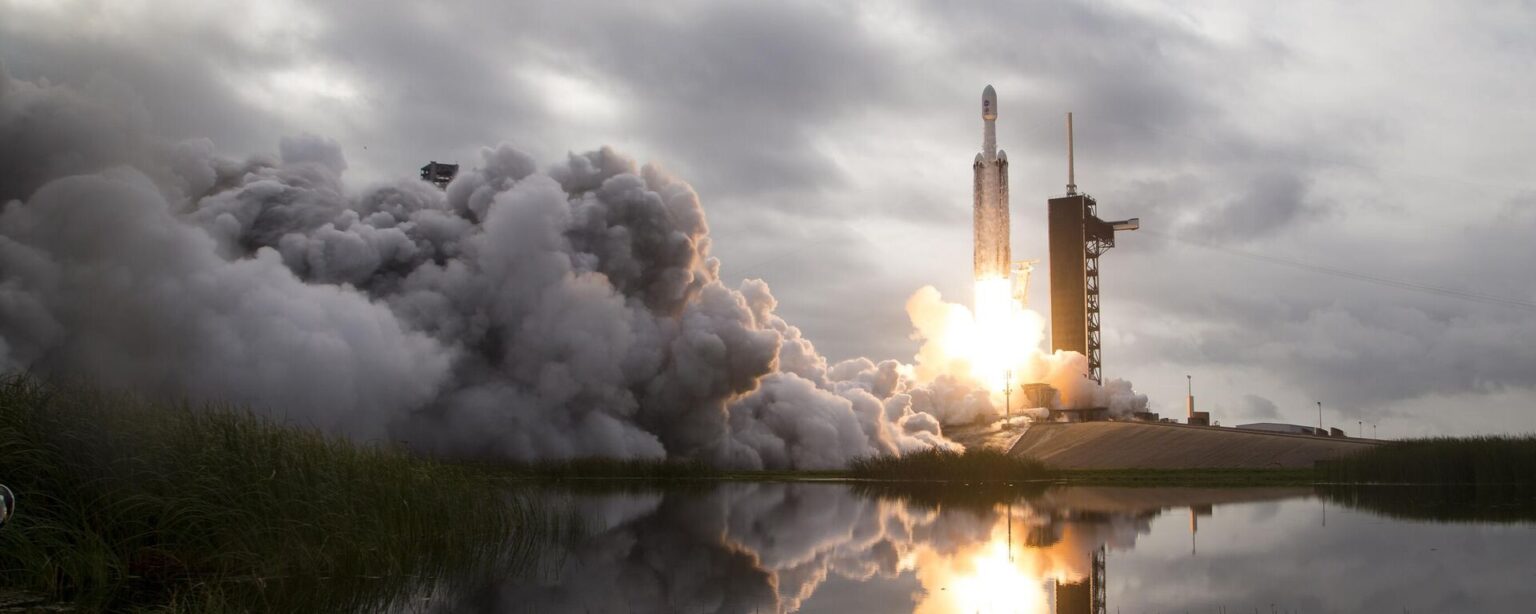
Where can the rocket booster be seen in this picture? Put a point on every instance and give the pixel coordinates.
(991, 197)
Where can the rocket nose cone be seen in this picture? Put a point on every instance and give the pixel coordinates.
(989, 103)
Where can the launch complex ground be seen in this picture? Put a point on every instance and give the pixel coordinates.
(1073, 435)
(1070, 435)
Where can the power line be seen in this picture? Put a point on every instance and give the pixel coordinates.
(1314, 156)
(1475, 297)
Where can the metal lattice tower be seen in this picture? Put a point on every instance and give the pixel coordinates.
(1093, 247)
(1100, 598)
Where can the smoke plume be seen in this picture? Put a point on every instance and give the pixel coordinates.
(525, 312)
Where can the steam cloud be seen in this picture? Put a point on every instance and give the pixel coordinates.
(523, 313)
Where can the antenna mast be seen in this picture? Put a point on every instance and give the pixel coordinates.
(1071, 164)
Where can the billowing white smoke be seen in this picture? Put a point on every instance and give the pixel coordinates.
(944, 370)
(522, 313)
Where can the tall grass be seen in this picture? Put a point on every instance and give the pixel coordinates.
(975, 465)
(124, 502)
(1486, 479)
(933, 495)
(613, 468)
(1485, 461)
(1439, 502)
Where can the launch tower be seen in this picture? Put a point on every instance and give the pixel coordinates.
(1077, 238)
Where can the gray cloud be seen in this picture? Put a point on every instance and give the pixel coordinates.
(1255, 407)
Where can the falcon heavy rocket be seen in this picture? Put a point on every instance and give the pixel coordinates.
(993, 260)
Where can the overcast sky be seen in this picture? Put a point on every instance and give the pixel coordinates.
(831, 144)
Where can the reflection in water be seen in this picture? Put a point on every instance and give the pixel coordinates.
(833, 548)
(761, 547)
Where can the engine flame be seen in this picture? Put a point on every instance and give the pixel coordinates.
(995, 347)
(1002, 574)
(1004, 335)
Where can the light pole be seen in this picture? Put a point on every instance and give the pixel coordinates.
(1189, 398)
(1320, 416)
(1362, 427)
(1374, 435)
(1008, 399)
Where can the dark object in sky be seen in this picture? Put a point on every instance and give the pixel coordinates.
(7, 504)
(439, 174)
(1077, 238)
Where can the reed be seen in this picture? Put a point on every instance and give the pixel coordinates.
(1504, 503)
(126, 503)
(1484, 461)
(975, 465)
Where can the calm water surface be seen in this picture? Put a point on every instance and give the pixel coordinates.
(835, 548)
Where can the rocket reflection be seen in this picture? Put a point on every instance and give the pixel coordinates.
(799, 547)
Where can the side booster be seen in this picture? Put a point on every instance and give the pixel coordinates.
(993, 256)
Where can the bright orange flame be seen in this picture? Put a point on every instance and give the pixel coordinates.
(998, 347)
(986, 577)
(1000, 341)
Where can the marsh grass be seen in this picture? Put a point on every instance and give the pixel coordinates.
(1508, 503)
(1491, 461)
(932, 495)
(614, 469)
(1481, 479)
(126, 503)
(975, 465)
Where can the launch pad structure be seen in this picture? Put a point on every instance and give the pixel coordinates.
(1086, 596)
(1077, 238)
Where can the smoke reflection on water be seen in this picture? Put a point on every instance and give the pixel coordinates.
(775, 547)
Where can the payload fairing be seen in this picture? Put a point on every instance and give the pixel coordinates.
(993, 259)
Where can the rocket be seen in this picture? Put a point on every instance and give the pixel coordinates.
(991, 197)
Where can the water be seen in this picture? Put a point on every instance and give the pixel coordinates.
(840, 549)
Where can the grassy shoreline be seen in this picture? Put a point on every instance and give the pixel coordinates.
(1082, 477)
(131, 504)
(1485, 460)
(126, 504)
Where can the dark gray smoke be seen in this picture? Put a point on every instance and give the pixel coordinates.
(525, 312)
